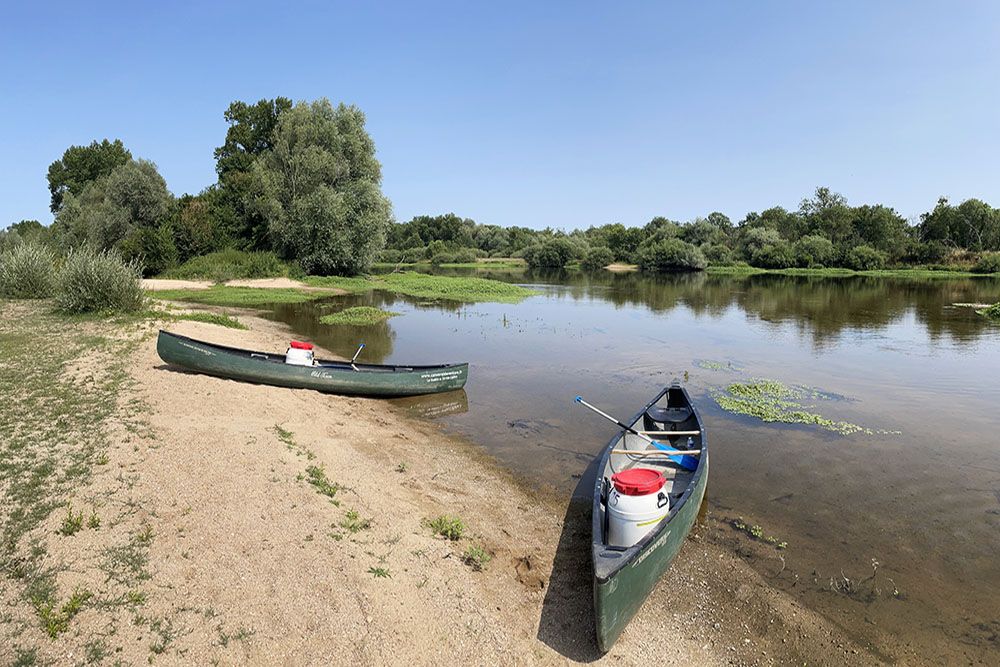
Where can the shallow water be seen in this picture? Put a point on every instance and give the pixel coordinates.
(925, 504)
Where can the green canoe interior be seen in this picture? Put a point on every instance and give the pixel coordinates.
(671, 410)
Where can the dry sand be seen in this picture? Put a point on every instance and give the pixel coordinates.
(249, 564)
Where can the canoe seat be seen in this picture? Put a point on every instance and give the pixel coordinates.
(669, 415)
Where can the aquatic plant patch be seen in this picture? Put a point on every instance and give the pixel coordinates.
(712, 365)
(773, 401)
(992, 312)
(358, 316)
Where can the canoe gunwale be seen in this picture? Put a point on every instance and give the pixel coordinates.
(604, 574)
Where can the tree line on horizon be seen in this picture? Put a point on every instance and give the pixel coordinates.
(302, 181)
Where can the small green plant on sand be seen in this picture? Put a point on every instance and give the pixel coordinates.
(379, 572)
(476, 557)
(353, 522)
(757, 533)
(94, 521)
(56, 620)
(72, 523)
(402, 467)
(449, 527)
(317, 477)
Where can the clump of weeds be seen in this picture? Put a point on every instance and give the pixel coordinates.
(448, 527)
(476, 557)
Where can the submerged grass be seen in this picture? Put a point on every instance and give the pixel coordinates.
(992, 312)
(358, 316)
(773, 401)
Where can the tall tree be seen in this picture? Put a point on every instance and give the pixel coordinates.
(250, 133)
(320, 189)
(81, 165)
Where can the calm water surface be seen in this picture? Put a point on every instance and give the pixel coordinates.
(925, 504)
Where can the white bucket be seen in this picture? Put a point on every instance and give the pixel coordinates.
(299, 354)
(632, 515)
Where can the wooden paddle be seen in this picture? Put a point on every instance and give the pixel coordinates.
(675, 455)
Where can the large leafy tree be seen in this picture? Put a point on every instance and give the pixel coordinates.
(129, 203)
(81, 165)
(320, 189)
(250, 133)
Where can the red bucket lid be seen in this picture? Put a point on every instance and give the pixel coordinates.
(638, 481)
(301, 346)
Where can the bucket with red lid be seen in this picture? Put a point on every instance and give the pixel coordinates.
(637, 503)
(299, 354)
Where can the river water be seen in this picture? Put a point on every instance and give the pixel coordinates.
(924, 503)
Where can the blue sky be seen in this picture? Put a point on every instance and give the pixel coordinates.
(544, 113)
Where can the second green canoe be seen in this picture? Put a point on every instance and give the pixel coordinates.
(336, 377)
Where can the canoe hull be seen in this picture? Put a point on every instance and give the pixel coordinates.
(619, 598)
(371, 380)
(622, 586)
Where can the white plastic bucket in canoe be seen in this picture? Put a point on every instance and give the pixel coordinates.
(636, 504)
(299, 354)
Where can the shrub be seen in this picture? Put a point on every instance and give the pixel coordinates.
(865, 258)
(989, 262)
(26, 272)
(411, 255)
(466, 256)
(671, 255)
(597, 258)
(390, 256)
(231, 264)
(553, 253)
(777, 255)
(93, 281)
(814, 250)
(153, 247)
(717, 254)
(443, 258)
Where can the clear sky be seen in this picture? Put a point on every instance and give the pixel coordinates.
(541, 113)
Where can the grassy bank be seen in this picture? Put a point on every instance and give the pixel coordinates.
(417, 285)
(838, 273)
(491, 263)
(51, 439)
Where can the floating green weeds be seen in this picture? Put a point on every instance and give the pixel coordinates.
(712, 365)
(773, 401)
(358, 316)
(992, 312)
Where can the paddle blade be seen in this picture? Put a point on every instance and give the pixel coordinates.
(686, 462)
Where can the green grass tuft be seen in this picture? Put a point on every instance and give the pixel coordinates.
(211, 318)
(476, 557)
(358, 316)
(317, 477)
(992, 312)
(449, 527)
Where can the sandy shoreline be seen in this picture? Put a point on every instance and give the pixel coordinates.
(250, 564)
(158, 284)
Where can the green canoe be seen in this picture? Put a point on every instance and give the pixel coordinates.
(336, 377)
(624, 577)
